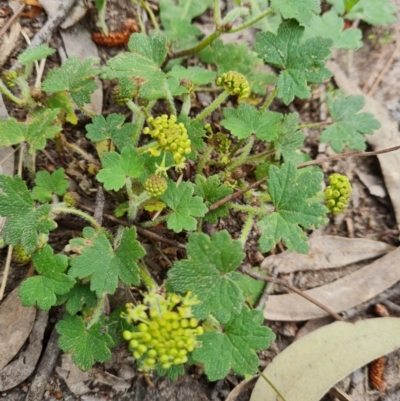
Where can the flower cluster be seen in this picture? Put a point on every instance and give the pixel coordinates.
(171, 137)
(155, 185)
(167, 331)
(9, 78)
(235, 83)
(338, 193)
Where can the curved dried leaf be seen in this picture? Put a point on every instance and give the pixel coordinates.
(16, 322)
(309, 367)
(327, 252)
(342, 294)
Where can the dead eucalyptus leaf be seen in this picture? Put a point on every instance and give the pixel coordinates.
(309, 367)
(20, 369)
(9, 41)
(385, 137)
(342, 294)
(327, 251)
(16, 322)
(74, 378)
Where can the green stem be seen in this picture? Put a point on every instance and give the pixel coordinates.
(102, 18)
(139, 17)
(134, 200)
(5, 91)
(248, 209)
(186, 105)
(311, 125)
(26, 94)
(128, 185)
(199, 47)
(246, 229)
(209, 109)
(146, 277)
(243, 157)
(251, 22)
(64, 209)
(134, 107)
(170, 100)
(272, 386)
(217, 13)
(260, 158)
(269, 100)
(143, 149)
(153, 223)
(97, 312)
(150, 13)
(200, 225)
(204, 159)
(235, 149)
(140, 119)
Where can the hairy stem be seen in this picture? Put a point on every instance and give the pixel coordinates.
(146, 277)
(5, 91)
(186, 105)
(246, 229)
(251, 22)
(204, 159)
(156, 221)
(97, 312)
(209, 109)
(243, 157)
(311, 125)
(217, 13)
(64, 209)
(269, 100)
(149, 11)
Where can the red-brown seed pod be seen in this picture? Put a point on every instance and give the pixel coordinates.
(116, 39)
(381, 310)
(376, 372)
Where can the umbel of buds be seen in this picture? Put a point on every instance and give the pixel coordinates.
(20, 255)
(235, 83)
(338, 193)
(164, 330)
(170, 136)
(155, 185)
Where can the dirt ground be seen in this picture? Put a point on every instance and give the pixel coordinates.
(370, 216)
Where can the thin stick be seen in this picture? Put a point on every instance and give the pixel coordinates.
(11, 20)
(52, 23)
(385, 68)
(6, 271)
(267, 279)
(142, 231)
(255, 184)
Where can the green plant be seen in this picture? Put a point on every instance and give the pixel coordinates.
(204, 301)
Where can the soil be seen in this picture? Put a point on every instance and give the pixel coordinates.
(369, 217)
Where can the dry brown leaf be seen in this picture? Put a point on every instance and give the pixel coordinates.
(326, 252)
(9, 41)
(20, 369)
(342, 294)
(74, 378)
(385, 137)
(16, 322)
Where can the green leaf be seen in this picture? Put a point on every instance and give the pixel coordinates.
(117, 167)
(349, 126)
(184, 205)
(161, 87)
(300, 62)
(87, 345)
(25, 220)
(176, 18)
(208, 273)
(290, 140)
(252, 289)
(112, 128)
(338, 6)
(196, 133)
(78, 296)
(146, 55)
(197, 75)
(42, 289)
(63, 103)
(246, 120)
(302, 10)
(47, 184)
(105, 266)
(211, 190)
(375, 12)
(296, 205)
(242, 336)
(331, 26)
(37, 53)
(239, 58)
(74, 76)
(42, 126)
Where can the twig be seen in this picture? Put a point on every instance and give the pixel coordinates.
(6, 271)
(45, 368)
(255, 184)
(52, 23)
(392, 306)
(11, 20)
(267, 279)
(98, 210)
(142, 231)
(385, 68)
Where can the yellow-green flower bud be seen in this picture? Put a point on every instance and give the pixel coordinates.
(20, 255)
(338, 193)
(235, 83)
